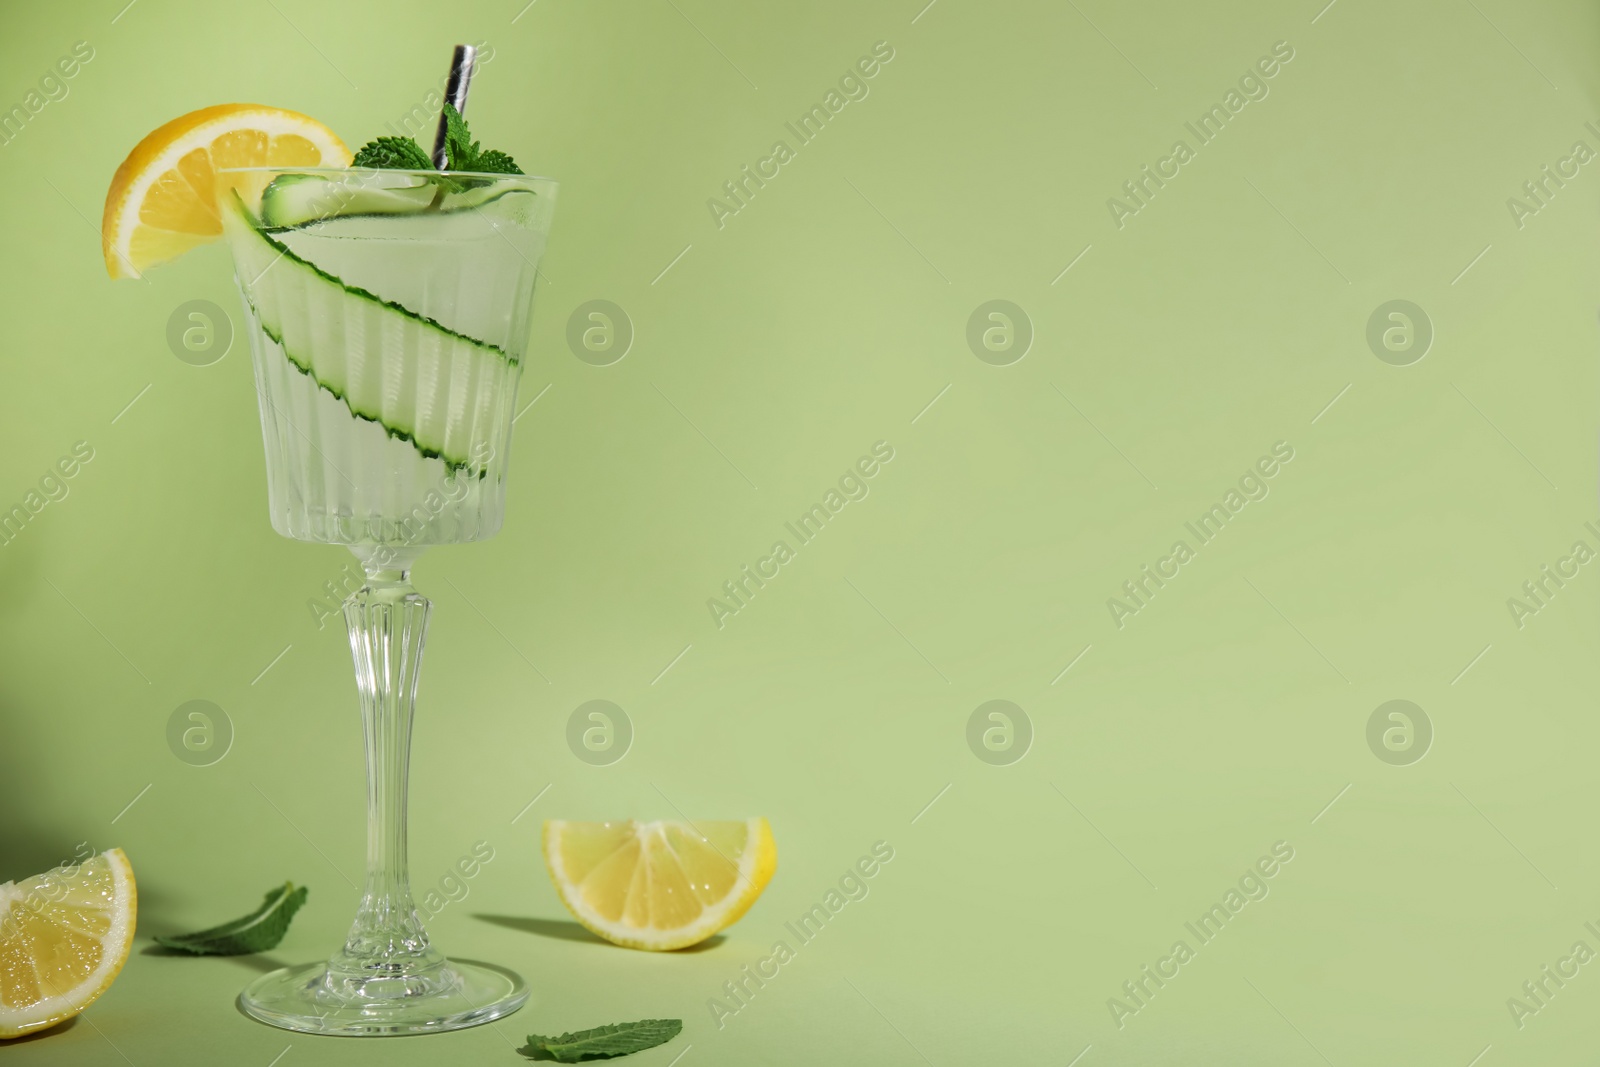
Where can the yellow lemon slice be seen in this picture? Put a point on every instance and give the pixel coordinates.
(163, 199)
(659, 885)
(64, 935)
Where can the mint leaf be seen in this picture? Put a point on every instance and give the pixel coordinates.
(460, 150)
(603, 1042)
(497, 162)
(463, 153)
(392, 153)
(262, 929)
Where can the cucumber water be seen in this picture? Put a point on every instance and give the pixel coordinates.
(387, 347)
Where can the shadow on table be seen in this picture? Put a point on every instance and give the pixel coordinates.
(40, 1035)
(567, 930)
(256, 961)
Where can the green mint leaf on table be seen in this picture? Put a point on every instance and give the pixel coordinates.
(392, 153)
(259, 931)
(603, 1042)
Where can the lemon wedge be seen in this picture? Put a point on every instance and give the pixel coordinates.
(64, 936)
(659, 885)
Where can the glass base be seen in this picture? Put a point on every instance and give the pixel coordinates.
(455, 995)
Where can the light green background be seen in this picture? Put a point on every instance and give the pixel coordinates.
(1224, 717)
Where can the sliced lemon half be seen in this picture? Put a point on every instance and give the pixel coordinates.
(163, 199)
(659, 885)
(64, 936)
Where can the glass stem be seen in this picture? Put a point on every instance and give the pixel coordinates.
(388, 622)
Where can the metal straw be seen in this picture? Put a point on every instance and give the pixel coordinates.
(462, 64)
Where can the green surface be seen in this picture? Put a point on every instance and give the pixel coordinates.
(823, 316)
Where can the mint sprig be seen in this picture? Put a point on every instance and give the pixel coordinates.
(603, 1042)
(461, 153)
(259, 931)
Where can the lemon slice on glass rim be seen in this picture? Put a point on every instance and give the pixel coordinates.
(163, 199)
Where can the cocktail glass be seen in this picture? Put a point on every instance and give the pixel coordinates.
(387, 313)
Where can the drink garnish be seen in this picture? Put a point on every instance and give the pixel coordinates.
(462, 153)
